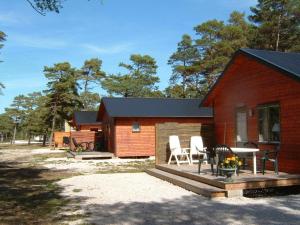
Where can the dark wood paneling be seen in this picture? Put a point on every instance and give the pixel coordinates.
(184, 131)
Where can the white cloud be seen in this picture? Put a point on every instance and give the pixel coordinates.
(113, 49)
(37, 42)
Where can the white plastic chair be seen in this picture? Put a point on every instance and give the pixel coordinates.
(198, 149)
(176, 151)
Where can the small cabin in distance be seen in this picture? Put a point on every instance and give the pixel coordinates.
(85, 121)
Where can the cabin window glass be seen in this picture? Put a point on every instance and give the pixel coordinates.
(269, 123)
(136, 127)
(241, 126)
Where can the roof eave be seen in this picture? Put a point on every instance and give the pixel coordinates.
(244, 52)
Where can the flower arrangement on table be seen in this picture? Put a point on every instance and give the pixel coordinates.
(231, 162)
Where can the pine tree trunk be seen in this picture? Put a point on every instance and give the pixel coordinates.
(44, 139)
(278, 33)
(29, 139)
(86, 86)
(53, 126)
(14, 135)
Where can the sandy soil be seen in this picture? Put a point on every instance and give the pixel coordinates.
(142, 199)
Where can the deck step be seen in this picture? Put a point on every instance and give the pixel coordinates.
(188, 184)
(191, 176)
(91, 155)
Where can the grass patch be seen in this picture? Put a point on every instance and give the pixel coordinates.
(43, 157)
(21, 146)
(77, 190)
(30, 195)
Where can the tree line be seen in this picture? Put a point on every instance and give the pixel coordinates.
(196, 64)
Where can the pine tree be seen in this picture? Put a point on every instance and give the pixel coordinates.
(62, 93)
(6, 126)
(184, 66)
(218, 42)
(277, 25)
(90, 74)
(2, 38)
(138, 82)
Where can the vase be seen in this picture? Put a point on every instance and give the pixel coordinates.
(228, 173)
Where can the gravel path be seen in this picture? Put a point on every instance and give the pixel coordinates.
(138, 198)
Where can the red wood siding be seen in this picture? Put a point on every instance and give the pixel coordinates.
(58, 138)
(83, 136)
(250, 83)
(129, 144)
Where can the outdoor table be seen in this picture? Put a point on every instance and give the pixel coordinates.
(247, 150)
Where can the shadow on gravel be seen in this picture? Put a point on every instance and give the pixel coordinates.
(196, 210)
(29, 195)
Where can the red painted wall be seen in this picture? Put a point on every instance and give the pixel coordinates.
(249, 83)
(129, 144)
(120, 140)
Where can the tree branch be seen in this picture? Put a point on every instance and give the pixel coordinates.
(35, 8)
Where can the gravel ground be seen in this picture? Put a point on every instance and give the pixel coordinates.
(137, 198)
(142, 199)
(90, 166)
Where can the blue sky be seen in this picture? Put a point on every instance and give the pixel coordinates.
(111, 31)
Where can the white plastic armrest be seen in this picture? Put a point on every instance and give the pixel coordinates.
(185, 150)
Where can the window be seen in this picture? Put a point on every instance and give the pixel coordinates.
(241, 125)
(269, 123)
(136, 127)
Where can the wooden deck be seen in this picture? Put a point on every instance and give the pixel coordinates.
(187, 176)
(91, 155)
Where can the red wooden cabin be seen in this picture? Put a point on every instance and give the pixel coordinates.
(128, 124)
(86, 121)
(257, 98)
(88, 129)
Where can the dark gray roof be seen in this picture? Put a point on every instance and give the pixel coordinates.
(155, 107)
(85, 117)
(288, 62)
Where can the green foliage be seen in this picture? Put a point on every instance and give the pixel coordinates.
(36, 120)
(44, 6)
(184, 65)
(90, 100)
(62, 89)
(6, 125)
(62, 93)
(276, 25)
(89, 74)
(30, 113)
(197, 64)
(2, 38)
(138, 82)
(218, 41)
